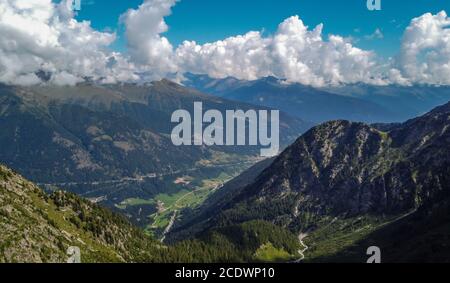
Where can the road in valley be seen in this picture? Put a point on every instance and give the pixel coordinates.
(169, 227)
(301, 252)
(142, 178)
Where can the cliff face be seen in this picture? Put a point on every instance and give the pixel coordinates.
(343, 169)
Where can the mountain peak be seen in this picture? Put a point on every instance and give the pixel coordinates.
(443, 109)
(339, 129)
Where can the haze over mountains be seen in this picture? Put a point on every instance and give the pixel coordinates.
(354, 102)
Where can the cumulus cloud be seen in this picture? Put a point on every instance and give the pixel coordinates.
(38, 35)
(294, 53)
(425, 51)
(42, 36)
(377, 34)
(146, 46)
(245, 57)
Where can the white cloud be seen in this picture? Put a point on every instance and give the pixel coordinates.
(146, 46)
(377, 34)
(425, 51)
(294, 52)
(41, 35)
(244, 57)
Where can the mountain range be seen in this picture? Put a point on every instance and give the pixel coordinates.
(112, 143)
(347, 185)
(39, 227)
(335, 190)
(353, 102)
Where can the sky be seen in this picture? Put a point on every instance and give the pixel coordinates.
(211, 20)
(311, 42)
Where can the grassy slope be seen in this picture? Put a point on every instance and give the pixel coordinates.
(269, 253)
(39, 228)
(422, 236)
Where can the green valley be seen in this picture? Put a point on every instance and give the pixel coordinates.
(190, 195)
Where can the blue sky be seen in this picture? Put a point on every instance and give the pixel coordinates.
(211, 20)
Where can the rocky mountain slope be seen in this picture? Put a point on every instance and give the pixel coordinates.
(348, 180)
(40, 228)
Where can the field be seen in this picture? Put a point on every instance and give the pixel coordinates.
(191, 192)
(175, 203)
(134, 202)
(184, 190)
(268, 253)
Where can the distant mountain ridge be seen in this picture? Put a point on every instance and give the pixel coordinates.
(407, 101)
(90, 124)
(354, 102)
